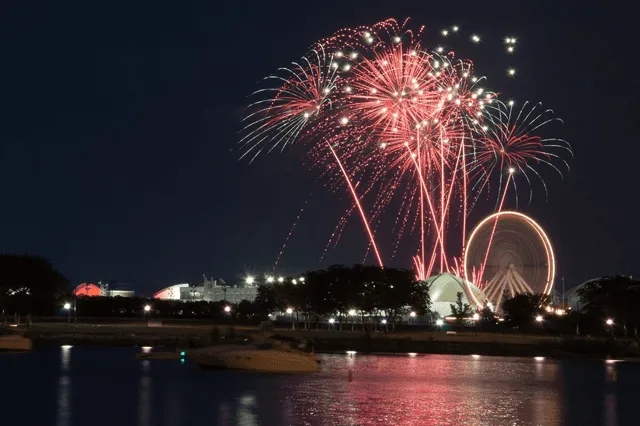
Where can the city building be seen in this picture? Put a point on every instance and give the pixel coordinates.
(211, 290)
(102, 289)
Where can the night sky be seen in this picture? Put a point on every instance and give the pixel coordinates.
(119, 130)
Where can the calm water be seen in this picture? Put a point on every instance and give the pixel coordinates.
(107, 386)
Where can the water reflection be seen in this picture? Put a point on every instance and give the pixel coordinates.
(63, 408)
(351, 390)
(434, 390)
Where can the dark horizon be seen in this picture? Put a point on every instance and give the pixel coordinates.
(119, 138)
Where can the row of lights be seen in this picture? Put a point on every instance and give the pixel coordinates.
(250, 280)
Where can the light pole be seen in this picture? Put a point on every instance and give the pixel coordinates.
(290, 313)
(67, 307)
(609, 323)
(352, 313)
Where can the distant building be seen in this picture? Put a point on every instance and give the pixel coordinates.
(210, 291)
(101, 289)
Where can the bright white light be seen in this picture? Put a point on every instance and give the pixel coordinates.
(147, 308)
(270, 279)
(344, 120)
(511, 103)
(412, 314)
(347, 89)
(354, 55)
(511, 170)
(249, 280)
(339, 54)
(439, 323)
(227, 309)
(510, 49)
(351, 352)
(476, 316)
(370, 40)
(475, 356)
(352, 312)
(367, 34)
(347, 67)
(455, 28)
(374, 91)
(512, 71)
(474, 79)
(445, 33)
(539, 318)
(440, 49)
(383, 145)
(67, 306)
(412, 354)
(289, 311)
(397, 39)
(609, 321)
(414, 53)
(384, 321)
(280, 279)
(294, 281)
(331, 320)
(475, 38)
(306, 115)
(539, 358)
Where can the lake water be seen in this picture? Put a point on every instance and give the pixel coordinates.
(106, 386)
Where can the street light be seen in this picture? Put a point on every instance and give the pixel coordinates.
(412, 314)
(270, 280)
(439, 323)
(67, 307)
(280, 280)
(476, 316)
(249, 280)
(290, 312)
(331, 321)
(301, 279)
(609, 322)
(147, 308)
(227, 309)
(539, 318)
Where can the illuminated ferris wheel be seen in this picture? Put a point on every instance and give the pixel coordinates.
(508, 251)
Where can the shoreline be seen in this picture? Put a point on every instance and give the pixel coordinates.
(340, 342)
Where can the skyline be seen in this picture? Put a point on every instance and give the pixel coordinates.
(120, 157)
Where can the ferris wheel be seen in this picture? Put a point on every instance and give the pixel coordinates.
(509, 251)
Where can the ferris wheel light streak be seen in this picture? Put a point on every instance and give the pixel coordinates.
(509, 277)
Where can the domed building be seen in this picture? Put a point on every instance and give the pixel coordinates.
(444, 289)
(87, 289)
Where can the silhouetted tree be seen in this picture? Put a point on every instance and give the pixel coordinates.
(522, 309)
(612, 297)
(30, 284)
(460, 310)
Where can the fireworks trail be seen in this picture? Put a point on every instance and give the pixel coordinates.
(284, 245)
(396, 123)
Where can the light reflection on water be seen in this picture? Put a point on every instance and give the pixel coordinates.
(106, 386)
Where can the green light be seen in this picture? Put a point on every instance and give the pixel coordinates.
(182, 361)
(182, 353)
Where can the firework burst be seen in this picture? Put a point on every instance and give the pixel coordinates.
(397, 123)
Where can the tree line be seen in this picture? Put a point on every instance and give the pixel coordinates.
(31, 285)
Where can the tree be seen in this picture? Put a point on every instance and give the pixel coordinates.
(522, 309)
(266, 300)
(487, 318)
(612, 297)
(30, 284)
(460, 310)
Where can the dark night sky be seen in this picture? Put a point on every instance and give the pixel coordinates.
(119, 123)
